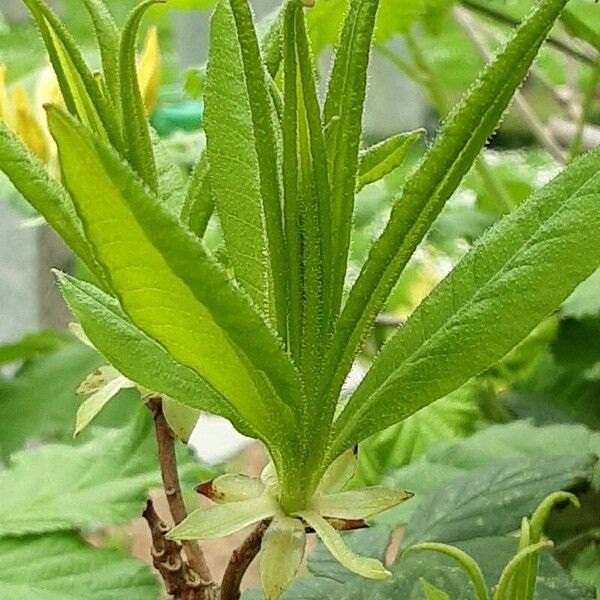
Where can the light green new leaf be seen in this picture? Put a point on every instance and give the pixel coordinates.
(171, 289)
(427, 190)
(78, 85)
(433, 593)
(358, 504)
(110, 383)
(108, 36)
(139, 357)
(30, 177)
(104, 481)
(380, 160)
(513, 278)
(281, 554)
(64, 567)
(135, 121)
(342, 119)
(370, 568)
(240, 124)
(222, 520)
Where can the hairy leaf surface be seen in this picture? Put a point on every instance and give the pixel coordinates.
(170, 288)
(513, 278)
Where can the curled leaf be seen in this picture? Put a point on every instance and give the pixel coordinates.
(224, 519)
(281, 554)
(366, 567)
(541, 514)
(466, 562)
(359, 504)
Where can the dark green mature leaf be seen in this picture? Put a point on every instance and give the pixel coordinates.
(427, 190)
(491, 501)
(171, 289)
(139, 357)
(332, 583)
(342, 119)
(40, 402)
(59, 487)
(514, 443)
(63, 567)
(513, 278)
(135, 121)
(78, 85)
(29, 175)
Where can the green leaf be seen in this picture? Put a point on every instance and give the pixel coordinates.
(222, 520)
(29, 175)
(513, 278)
(465, 561)
(370, 568)
(40, 402)
(329, 580)
(64, 567)
(491, 501)
(433, 593)
(372, 542)
(585, 300)
(135, 120)
(358, 504)
(342, 119)
(586, 566)
(103, 481)
(109, 383)
(107, 35)
(138, 356)
(241, 139)
(33, 345)
(78, 85)
(199, 203)
(579, 28)
(380, 160)
(429, 187)
(456, 415)
(171, 177)
(171, 289)
(497, 446)
(281, 554)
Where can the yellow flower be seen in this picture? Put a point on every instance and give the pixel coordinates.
(148, 70)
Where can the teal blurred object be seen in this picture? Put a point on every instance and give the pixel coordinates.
(175, 112)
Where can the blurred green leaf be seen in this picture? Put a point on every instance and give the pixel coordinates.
(59, 487)
(510, 444)
(451, 417)
(63, 567)
(33, 345)
(40, 402)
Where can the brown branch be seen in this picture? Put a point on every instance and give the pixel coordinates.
(170, 476)
(240, 560)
